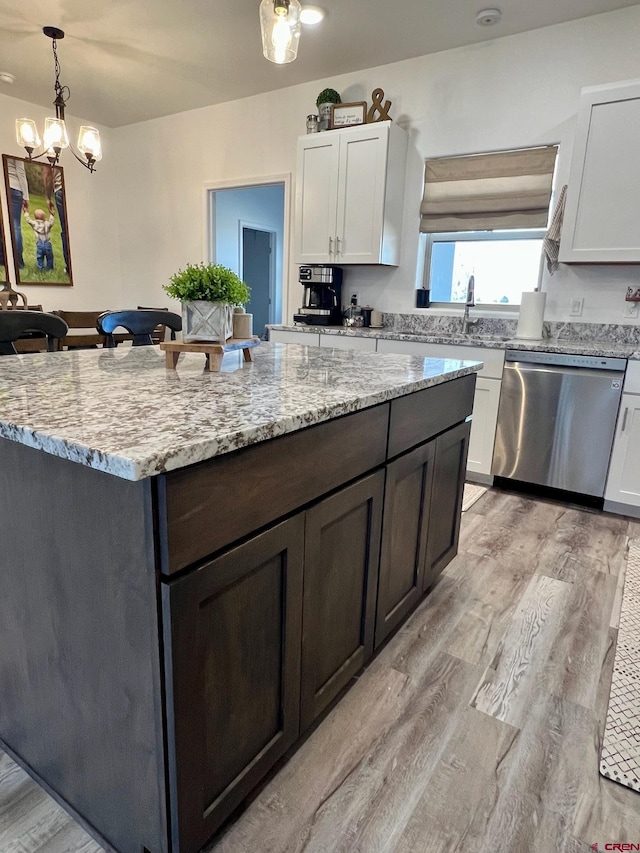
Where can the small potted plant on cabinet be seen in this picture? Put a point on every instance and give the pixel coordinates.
(324, 102)
(208, 293)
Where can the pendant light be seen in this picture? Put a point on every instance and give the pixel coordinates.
(55, 137)
(280, 26)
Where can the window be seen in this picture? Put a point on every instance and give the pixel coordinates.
(485, 215)
(503, 264)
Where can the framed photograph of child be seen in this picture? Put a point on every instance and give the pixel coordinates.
(38, 222)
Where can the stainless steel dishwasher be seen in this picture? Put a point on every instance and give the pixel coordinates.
(557, 418)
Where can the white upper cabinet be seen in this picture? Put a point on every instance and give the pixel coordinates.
(601, 222)
(350, 194)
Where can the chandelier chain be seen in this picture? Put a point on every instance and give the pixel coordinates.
(63, 93)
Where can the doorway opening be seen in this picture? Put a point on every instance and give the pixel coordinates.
(246, 229)
(258, 270)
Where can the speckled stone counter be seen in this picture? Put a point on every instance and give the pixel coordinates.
(120, 411)
(575, 338)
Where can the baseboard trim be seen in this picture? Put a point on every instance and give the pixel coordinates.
(481, 479)
(622, 509)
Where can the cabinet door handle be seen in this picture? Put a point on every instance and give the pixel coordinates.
(330, 245)
(624, 418)
(338, 249)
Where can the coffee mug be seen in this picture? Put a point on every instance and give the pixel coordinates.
(376, 318)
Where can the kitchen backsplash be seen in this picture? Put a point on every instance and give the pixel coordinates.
(420, 324)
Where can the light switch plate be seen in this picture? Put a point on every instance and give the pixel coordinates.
(575, 306)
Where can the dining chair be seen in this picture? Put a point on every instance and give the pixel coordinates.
(141, 323)
(10, 299)
(160, 332)
(18, 324)
(82, 326)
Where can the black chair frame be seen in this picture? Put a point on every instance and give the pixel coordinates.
(19, 324)
(140, 323)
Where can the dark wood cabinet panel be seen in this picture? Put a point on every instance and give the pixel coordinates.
(233, 632)
(417, 417)
(404, 537)
(257, 485)
(446, 500)
(342, 548)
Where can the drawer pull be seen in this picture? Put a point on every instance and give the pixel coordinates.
(624, 419)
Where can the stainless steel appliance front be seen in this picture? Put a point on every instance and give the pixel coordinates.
(557, 418)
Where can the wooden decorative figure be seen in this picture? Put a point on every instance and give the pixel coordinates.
(378, 111)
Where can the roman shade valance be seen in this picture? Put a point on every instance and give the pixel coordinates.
(482, 192)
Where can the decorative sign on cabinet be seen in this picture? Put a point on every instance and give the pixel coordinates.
(350, 194)
(600, 220)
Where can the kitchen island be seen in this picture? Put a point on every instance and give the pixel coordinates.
(195, 565)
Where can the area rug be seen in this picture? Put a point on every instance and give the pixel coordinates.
(472, 493)
(620, 756)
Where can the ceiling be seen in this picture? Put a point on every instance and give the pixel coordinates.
(130, 60)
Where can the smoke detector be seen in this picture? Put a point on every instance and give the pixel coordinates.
(6, 77)
(488, 17)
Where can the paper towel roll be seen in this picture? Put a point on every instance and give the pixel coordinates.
(531, 316)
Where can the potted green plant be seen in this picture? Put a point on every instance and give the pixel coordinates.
(208, 293)
(324, 102)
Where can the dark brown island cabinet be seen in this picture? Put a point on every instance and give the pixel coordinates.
(166, 641)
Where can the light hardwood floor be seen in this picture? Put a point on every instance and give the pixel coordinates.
(477, 728)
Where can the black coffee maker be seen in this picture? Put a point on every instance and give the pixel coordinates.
(322, 301)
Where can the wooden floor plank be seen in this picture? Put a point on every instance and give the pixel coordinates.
(538, 786)
(582, 643)
(511, 680)
(404, 763)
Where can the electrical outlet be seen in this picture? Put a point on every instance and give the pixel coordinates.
(631, 309)
(354, 298)
(575, 306)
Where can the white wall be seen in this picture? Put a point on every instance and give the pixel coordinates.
(516, 91)
(91, 214)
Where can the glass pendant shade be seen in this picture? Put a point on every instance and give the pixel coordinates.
(89, 143)
(55, 134)
(27, 133)
(280, 26)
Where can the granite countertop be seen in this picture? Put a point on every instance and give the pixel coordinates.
(488, 341)
(121, 411)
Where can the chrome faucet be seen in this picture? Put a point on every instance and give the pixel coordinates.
(470, 303)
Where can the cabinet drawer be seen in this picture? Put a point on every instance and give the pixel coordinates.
(417, 417)
(284, 336)
(348, 342)
(211, 505)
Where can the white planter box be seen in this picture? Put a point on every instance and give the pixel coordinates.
(207, 321)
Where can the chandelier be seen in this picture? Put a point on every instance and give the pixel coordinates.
(55, 138)
(280, 26)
